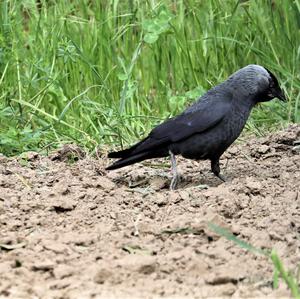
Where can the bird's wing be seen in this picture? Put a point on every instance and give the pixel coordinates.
(203, 118)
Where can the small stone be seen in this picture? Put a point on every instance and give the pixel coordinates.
(263, 149)
(176, 255)
(55, 247)
(184, 195)
(228, 289)
(29, 156)
(161, 199)
(81, 239)
(289, 239)
(113, 215)
(225, 275)
(45, 265)
(235, 229)
(296, 149)
(158, 183)
(143, 264)
(3, 159)
(60, 284)
(62, 271)
(106, 184)
(85, 239)
(102, 275)
(147, 268)
(275, 236)
(63, 205)
(69, 152)
(233, 150)
(174, 197)
(253, 186)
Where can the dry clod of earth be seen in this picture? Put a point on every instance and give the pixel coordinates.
(70, 230)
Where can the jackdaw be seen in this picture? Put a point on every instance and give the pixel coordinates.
(209, 126)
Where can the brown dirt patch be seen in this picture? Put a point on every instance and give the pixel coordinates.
(70, 230)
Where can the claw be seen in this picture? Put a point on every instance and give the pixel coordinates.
(215, 168)
(221, 177)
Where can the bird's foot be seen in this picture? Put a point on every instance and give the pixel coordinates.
(221, 177)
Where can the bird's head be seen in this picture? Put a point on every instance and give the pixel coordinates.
(259, 83)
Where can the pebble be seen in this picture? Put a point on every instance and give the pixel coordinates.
(62, 271)
(102, 275)
(45, 265)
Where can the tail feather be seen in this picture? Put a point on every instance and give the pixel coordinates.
(148, 148)
(124, 153)
(120, 154)
(129, 160)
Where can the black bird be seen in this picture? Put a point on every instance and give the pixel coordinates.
(209, 126)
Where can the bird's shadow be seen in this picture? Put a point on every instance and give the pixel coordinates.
(203, 181)
(162, 181)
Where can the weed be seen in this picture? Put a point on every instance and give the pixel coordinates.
(103, 73)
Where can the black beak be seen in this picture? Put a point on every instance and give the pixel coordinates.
(280, 95)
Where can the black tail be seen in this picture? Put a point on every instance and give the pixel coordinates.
(146, 149)
(128, 160)
(124, 153)
(120, 154)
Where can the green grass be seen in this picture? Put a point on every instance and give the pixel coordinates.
(288, 277)
(103, 73)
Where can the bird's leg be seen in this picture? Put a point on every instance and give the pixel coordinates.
(215, 168)
(175, 174)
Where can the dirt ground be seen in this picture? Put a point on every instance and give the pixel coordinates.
(71, 230)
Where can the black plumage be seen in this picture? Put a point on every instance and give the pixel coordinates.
(208, 127)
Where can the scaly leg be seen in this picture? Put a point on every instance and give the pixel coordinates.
(175, 174)
(215, 168)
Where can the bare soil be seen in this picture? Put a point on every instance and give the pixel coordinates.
(71, 230)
